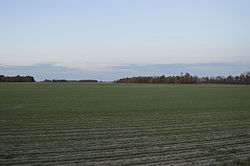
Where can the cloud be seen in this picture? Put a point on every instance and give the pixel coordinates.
(40, 71)
(199, 69)
(113, 72)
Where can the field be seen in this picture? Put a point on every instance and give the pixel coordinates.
(123, 124)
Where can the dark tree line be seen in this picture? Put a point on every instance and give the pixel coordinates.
(17, 79)
(243, 78)
(63, 80)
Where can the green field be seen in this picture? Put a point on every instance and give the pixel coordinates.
(123, 124)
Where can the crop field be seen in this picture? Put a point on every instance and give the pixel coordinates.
(123, 124)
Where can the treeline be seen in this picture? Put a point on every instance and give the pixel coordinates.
(17, 79)
(63, 80)
(243, 78)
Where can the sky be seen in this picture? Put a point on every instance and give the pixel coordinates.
(107, 40)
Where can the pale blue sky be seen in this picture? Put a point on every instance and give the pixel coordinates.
(96, 35)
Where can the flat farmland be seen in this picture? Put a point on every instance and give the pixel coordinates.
(123, 124)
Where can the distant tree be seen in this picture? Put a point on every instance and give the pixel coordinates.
(189, 79)
(17, 78)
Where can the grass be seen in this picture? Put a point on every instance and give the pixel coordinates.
(236, 162)
(123, 124)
